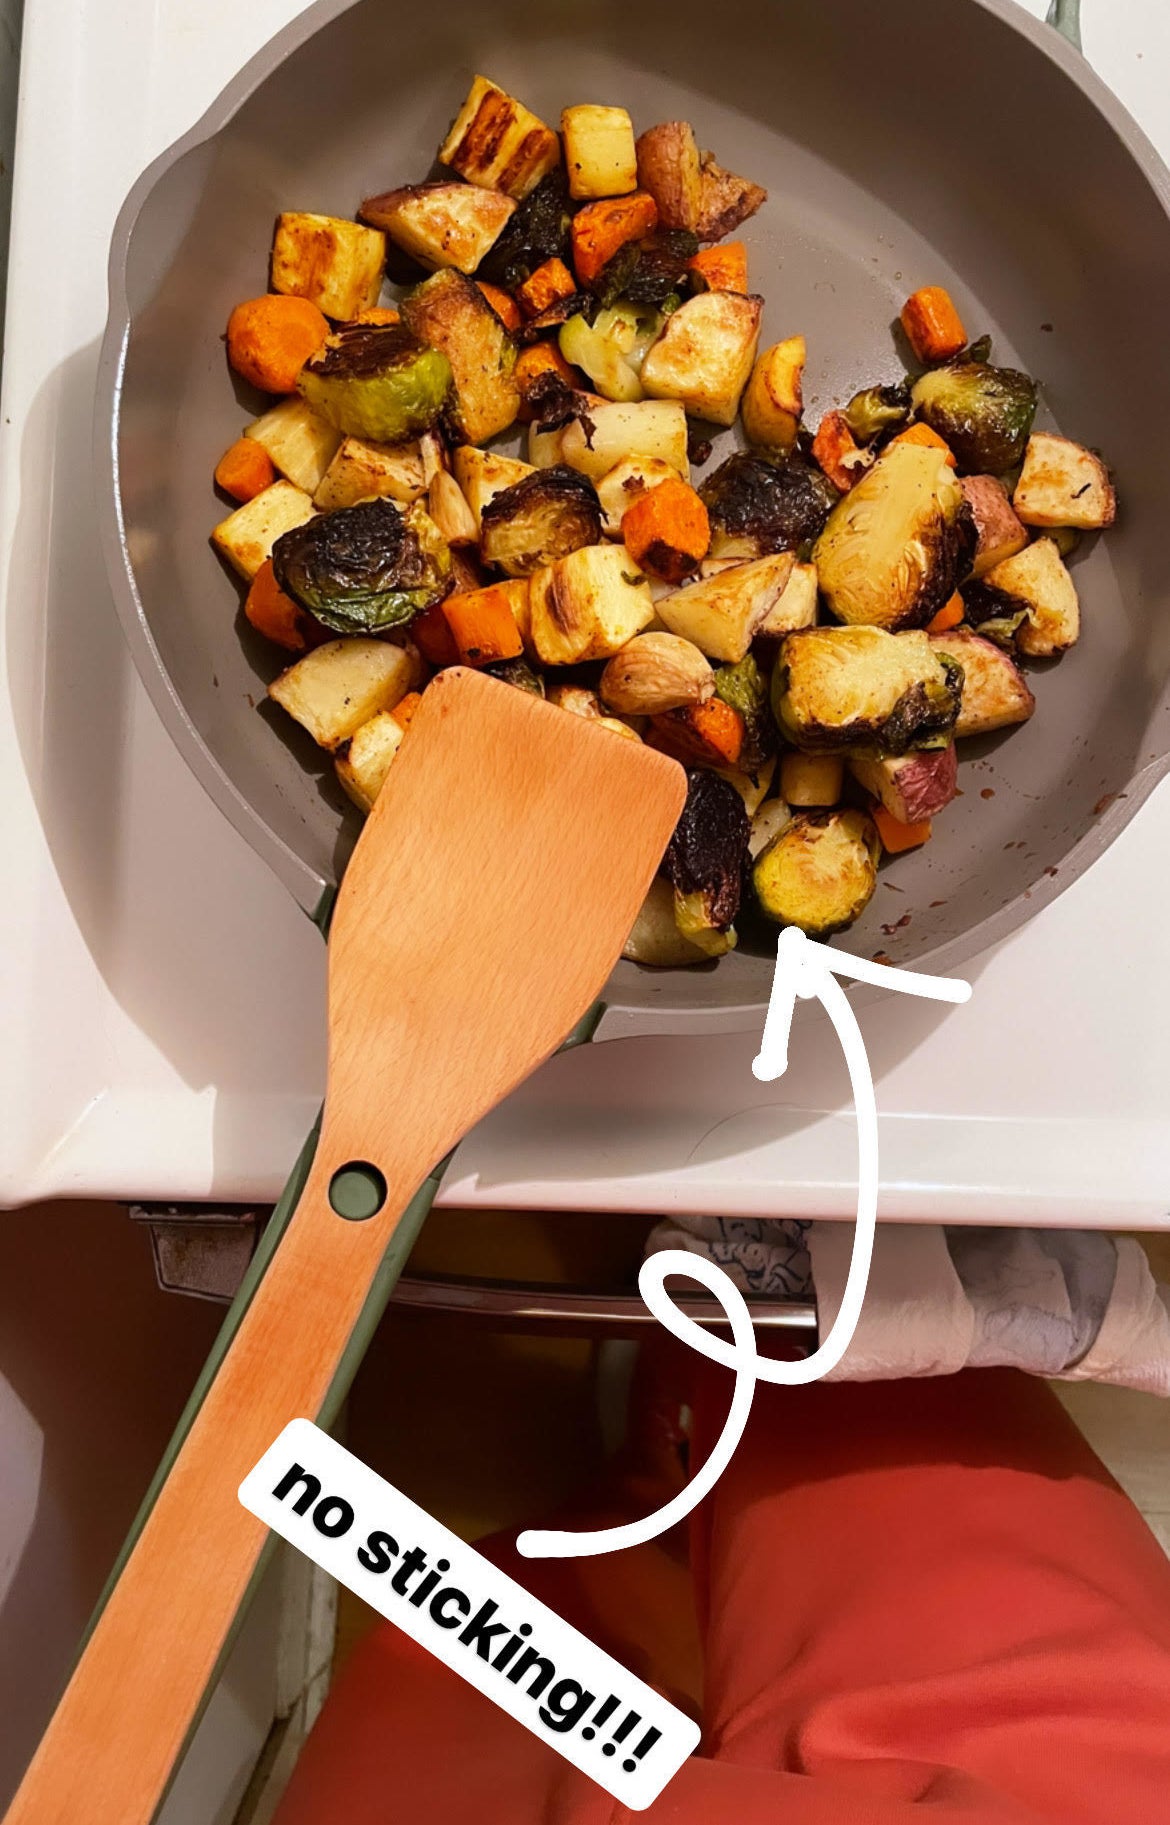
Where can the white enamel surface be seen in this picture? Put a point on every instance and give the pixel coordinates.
(161, 996)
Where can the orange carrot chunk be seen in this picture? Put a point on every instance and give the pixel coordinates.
(383, 314)
(949, 615)
(546, 287)
(245, 470)
(933, 326)
(277, 616)
(709, 734)
(930, 439)
(502, 302)
(832, 447)
(433, 637)
(666, 531)
(600, 229)
(532, 364)
(898, 837)
(270, 339)
(402, 712)
(483, 626)
(722, 268)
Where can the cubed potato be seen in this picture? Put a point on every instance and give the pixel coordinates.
(999, 531)
(1038, 580)
(441, 224)
(668, 167)
(300, 442)
(247, 536)
(482, 474)
(774, 401)
(337, 687)
(723, 613)
(362, 471)
(753, 788)
(811, 782)
(704, 356)
(336, 264)
(656, 940)
(449, 312)
(913, 787)
(995, 692)
(599, 151)
(642, 429)
(626, 483)
(725, 200)
(1063, 484)
(498, 143)
(796, 606)
(363, 761)
(588, 605)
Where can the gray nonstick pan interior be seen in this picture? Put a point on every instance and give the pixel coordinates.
(947, 141)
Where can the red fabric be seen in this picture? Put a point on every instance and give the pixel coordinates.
(916, 1600)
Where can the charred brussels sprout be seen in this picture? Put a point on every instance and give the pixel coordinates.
(859, 690)
(540, 519)
(984, 413)
(364, 568)
(820, 872)
(378, 382)
(538, 231)
(517, 672)
(995, 614)
(705, 860)
(876, 410)
(650, 272)
(895, 547)
(757, 507)
(745, 688)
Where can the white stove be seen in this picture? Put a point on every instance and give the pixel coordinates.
(161, 997)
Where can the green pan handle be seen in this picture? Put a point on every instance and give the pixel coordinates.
(1065, 15)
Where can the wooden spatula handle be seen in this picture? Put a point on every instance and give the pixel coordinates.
(120, 1727)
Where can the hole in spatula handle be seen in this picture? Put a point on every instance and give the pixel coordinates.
(357, 1191)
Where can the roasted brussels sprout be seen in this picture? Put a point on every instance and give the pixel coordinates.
(540, 519)
(538, 231)
(862, 690)
(894, 548)
(876, 410)
(993, 613)
(985, 413)
(705, 861)
(449, 312)
(364, 568)
(652, 271)
(377, 381)
(757, 507)
(517, 672)
(745, 688)
(820, 872)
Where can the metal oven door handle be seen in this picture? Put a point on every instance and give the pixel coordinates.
(564, 1309)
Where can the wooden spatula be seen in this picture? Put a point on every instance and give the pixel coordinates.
(485, 904)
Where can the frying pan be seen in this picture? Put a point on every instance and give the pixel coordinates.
(949, 141)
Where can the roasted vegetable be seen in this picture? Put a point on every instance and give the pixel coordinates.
(861, 690)
(588, 605)
(811, 781)
(913, 787)
(998, 532)
(995, 693)
(773, 401)
(496, 142)
(537, 233)
(335, 264)
(820, 872)
(1036, 585)
(610, 434)
(933, 326)
(668, 167)
(767, 823)
(725, 200)
(534, 367)
(949, 615)
(920, 433)
(361, 471)
(651, 272)
(244, 470)
(519, 673)
(704, 356)
(600, 229)
(277, 616)
(722, 268)
(896, 837)
(381, 384)
(599, 151)
(441, 224)
(335, 689)
(502, 302)
(874, 411)
(550, 284)
(447, 506)
(666, 530)
(485, 625)
(721, 614)
(656, 673)
(270, 339)
(894, 548)
(450, 313)
(247, 536)
(656, 940)
(757, 507)
(626, 483)
(707, 734)
(364, 568)
(482, 474)
(752, 787)
(745, 689)
(1063, 484)
(796, 607)
(836, 451)
(538, 519)
(600, 357)
(299, 441)
(363, 761)
(985, 413)
(705, 860)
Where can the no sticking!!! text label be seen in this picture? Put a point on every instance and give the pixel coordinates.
(475, 1619)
